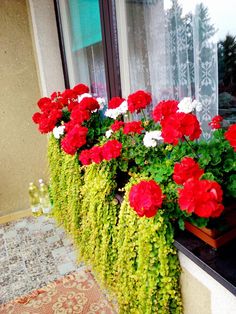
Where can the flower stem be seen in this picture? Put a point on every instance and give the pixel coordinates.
(193, 150)
(143, 114)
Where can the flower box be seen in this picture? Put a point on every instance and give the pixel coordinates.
(213, 236)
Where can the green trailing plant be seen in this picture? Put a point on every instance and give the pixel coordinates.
(147, 266)
(99, 210)
(66, 181)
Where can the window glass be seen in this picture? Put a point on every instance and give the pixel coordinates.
(179, 48)
(83, 44)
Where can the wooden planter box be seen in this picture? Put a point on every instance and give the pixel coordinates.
(214, 237)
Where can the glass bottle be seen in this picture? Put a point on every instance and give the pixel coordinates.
(44, 197)
(34, 199)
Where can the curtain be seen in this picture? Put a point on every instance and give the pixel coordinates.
(173, 54)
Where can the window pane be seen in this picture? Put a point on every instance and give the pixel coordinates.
(83, 44)
(184, 48)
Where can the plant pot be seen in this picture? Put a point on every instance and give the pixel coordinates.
(215, 237)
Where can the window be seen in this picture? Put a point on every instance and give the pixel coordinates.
(180, 48)
(88, 42)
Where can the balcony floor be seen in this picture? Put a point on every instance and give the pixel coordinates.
(33, 252)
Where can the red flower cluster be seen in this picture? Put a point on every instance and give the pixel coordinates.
(78, 116)
(117, 125)
(88, 156)
(146, 198)
(133, 127)
(164, 109)
(138, 100)
(202, 197)
(115, 102)
(230, 136)
(176, 126)
(89, 103)
(51, 108)
(81, 89)
(74, 139)
(51, 113)
(69, 96)
(215, 122)
(186, 169)
(110, 150)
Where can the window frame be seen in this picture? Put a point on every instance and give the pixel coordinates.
(109, 44)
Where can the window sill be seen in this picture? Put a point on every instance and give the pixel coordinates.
(220, 263)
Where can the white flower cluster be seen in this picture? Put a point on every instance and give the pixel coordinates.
(108, 133)
(114, 113)
(186, 105)
(58, 131)
(85, 95)
(150, 138)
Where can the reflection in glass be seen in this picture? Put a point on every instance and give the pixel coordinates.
(175, 51)
(83, 43)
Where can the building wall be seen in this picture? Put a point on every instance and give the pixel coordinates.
(23, 149)
(201, 293)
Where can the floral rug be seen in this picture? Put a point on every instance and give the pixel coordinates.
(74, 293)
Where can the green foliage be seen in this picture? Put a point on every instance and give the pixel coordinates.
(147, 264)
(133, 258)
(66, 181)
(99, 217)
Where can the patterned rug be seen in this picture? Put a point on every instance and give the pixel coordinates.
(74, 293)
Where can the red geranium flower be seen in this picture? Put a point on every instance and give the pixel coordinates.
(178, 125)
(79, 115)
(202, 197)
(37, 117)
(112, 149)
(138, 100)
(190, 126)
(68, 95)
(74, 139)
(67, 147)
(164, 109)
(96, 154)
(47, 120)
(80, 89)
(186, 169)
(44, 103)
(85, 157)
(89, 103)
(133, 127)
(117, 125)
(215, 122)
(230, 136)
(146, 198)
(72, 104)
(115, 102)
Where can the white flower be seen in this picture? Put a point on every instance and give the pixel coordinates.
(101, 102)
(108, 133)
(114, 113)
(85, 95)
(150, 138)
(186, 105)
(58, 131)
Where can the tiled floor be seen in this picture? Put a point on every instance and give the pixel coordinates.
(33, 252)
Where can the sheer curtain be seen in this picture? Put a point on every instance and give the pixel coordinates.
(173, 53)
